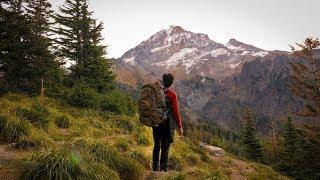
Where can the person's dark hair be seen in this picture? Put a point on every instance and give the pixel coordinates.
(167, 80)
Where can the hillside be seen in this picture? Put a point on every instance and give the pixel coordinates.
(95, 144)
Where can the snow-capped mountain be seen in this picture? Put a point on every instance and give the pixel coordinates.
(186, 53)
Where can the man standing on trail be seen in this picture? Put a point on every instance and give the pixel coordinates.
(163, 133)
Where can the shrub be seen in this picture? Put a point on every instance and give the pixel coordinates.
(63, 121)
(37, 114)
(85, 97)
(118, 103)
(14, 130)
(63, 164)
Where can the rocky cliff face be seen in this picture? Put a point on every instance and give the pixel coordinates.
(261, 85)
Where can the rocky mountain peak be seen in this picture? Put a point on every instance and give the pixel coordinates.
(234, 42)
(241, 47)
(175, 29)
(189, 53)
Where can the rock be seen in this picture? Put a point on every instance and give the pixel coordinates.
(216, 151)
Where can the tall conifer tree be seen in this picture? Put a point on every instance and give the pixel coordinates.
(80, 41)
(250, 143)
(288, 158)
(25, 57)
(306, 76)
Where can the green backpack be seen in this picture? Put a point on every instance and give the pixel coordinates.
(151, 104)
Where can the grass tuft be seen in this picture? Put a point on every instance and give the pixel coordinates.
(143, 136)
(37, 114)
(35, 140)
(126, 167)
(63, 121)
(15, 129)
(123, 144)
(63, 164)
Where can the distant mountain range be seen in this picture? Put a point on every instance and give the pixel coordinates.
(214, 81)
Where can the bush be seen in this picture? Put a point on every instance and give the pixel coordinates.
(63, 121)
(14, 130)
(37, 114)
(85, 97)
(63, 164)
(118, 103)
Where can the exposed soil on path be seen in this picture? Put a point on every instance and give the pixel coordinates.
(237, 168)
(7, 156)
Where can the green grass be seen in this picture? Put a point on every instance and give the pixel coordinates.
(36, 114)
(63, 121)
(14, 129)
(66, 142)
(103, 152)
(64, 163)
(123, 144)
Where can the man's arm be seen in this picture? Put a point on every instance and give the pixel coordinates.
(175, 109)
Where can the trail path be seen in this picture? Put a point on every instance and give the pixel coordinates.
(7, 156)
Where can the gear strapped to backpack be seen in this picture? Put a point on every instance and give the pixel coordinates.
(152, 108)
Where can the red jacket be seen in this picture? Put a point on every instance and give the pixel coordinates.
(174, 104)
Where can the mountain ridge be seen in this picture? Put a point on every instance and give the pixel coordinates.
(235, 76)
(187, 53)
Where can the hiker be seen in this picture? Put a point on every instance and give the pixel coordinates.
(163, 133)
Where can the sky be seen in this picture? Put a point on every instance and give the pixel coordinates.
(267, 24)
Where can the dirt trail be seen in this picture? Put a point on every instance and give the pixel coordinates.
(237, 168)
(7, 156)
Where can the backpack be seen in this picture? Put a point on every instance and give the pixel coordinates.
(151, 105)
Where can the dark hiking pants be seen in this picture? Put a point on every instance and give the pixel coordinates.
(161, 136)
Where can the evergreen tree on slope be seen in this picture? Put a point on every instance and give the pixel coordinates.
(25, 57)
(250, 144)
(80, 41)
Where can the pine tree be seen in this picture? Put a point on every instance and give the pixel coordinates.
(290, 143)
(80, 41)
(24, 47)
(250, 143)
(48, 68)
(306, 76)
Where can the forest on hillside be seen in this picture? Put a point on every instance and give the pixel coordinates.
(40, 95)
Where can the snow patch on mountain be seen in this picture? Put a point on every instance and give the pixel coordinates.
(218, 52)
(159, 48)
(261, 53)
(235, 48)
(232, 66)
(175, 59)
(130, 60)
